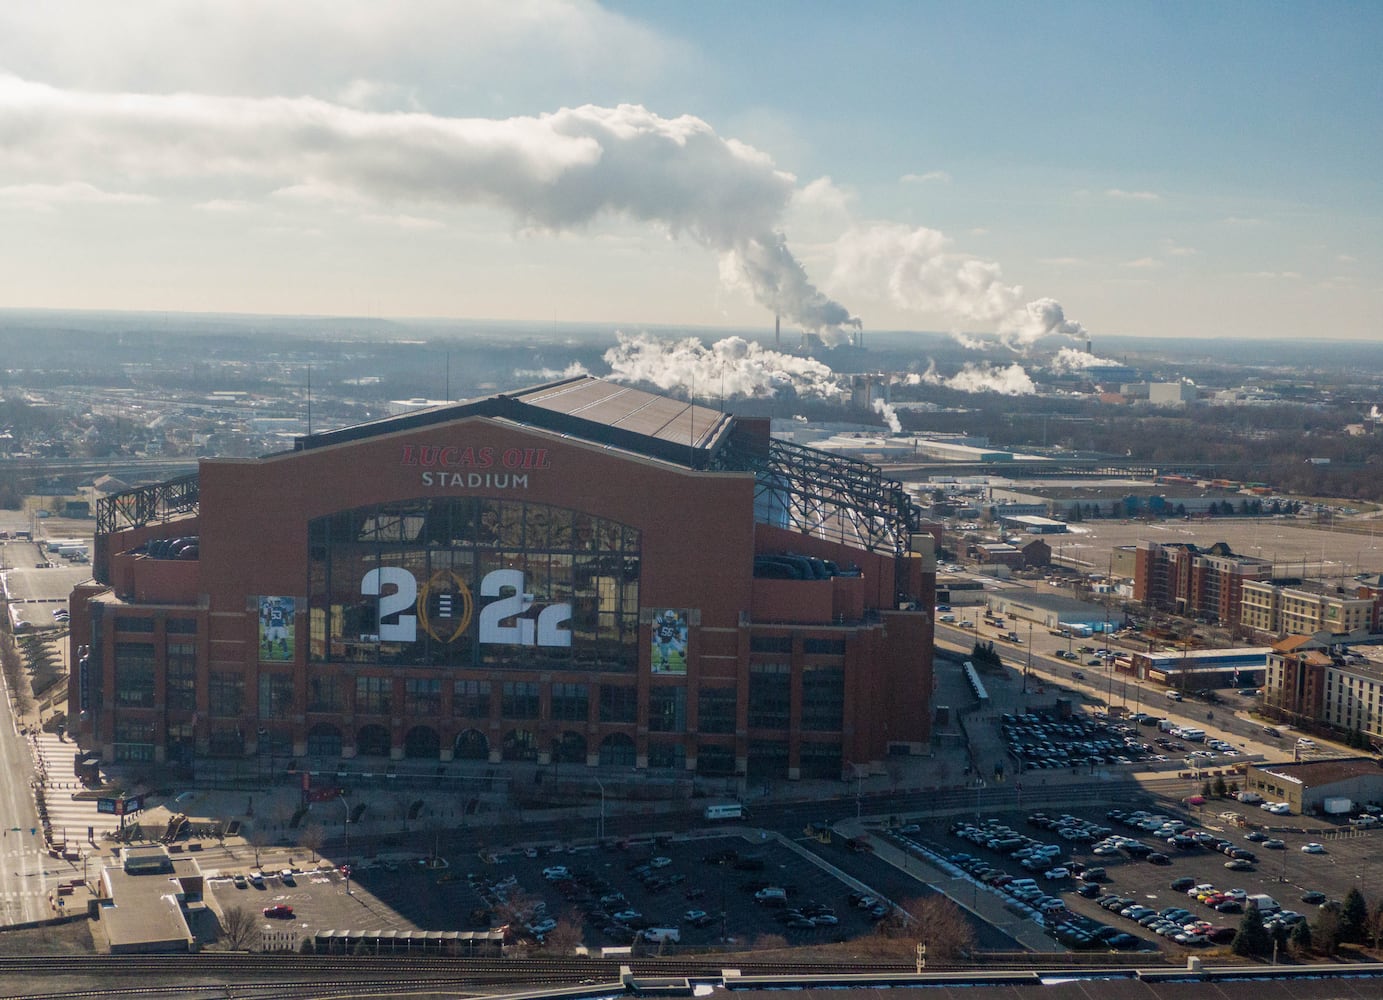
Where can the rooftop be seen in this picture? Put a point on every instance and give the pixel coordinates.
(642, 422)
(1322, 772)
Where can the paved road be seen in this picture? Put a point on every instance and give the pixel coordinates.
(26, 871)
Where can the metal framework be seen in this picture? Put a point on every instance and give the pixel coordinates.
(147, 504)
(826, 495)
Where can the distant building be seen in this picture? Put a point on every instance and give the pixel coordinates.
(1307, 678)
(1305, 786)
(1031, 523)
(1180, 578)
(1294, 682)
(1171, 393)
(997, 554)
(1305, 609)
(1036, 553)
(1194, 669)
(1052, 612)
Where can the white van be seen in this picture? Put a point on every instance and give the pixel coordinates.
(1194, 735)
(1174, 696)
(659, 935)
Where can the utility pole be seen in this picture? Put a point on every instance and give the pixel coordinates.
(346, 826)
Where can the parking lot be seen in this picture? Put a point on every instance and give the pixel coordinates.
(1140, 861)
(655, 894)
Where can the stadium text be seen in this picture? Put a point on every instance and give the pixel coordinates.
(476, 480)
(432, 456)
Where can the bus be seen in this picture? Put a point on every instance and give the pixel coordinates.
(725, 810)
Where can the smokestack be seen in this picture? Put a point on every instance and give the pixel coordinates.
(777, 332)
(1087, 346)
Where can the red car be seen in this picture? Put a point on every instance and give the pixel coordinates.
(280, 911)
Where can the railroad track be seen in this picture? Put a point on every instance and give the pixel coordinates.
(251, 976)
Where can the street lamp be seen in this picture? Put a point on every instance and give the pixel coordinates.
(600, 825)
(346, 826)
(1028, 669)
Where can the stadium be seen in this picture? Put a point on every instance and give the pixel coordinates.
(579, 573)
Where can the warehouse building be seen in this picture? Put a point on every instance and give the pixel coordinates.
(578, 573)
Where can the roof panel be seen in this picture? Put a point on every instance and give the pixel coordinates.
(634, 410)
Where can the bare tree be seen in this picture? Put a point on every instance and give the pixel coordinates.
(935, 920)
(259, 839)
(1375, 927)
(311, 838)
(564, 938)
(238, 928)
(897, 772)
(517, 906)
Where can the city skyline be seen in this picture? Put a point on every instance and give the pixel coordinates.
(1071, 169)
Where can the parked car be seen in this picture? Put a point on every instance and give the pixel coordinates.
(279, 911)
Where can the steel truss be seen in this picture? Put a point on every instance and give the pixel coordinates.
(147, 504)
(826, 495)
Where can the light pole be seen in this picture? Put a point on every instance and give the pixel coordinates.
(600, 825)
(1028, 669)
(346, 826)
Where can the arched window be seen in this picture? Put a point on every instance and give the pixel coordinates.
(471, 745)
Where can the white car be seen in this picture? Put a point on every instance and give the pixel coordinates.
(692, 915)
(556, 873)
(1056, 873)
(1312, 848)
(660, 862)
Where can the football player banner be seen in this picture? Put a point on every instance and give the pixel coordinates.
(670, 643)
(276, 628)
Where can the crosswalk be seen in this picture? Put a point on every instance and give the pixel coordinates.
(70, 818)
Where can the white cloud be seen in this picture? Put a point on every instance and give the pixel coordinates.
(1171, 248)
(1122, 195)
(401, 54)
(48, 197)
(402, 221)
(1143, 263)
(224, 205)
(568, 170)
(930, 177)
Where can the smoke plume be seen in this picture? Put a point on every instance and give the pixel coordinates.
(917, 269)
(890, 415)
(729, 368)
(563, 171)
(1010, 381)
(1071, 359)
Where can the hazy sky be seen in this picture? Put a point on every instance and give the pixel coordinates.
(1157, 168)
